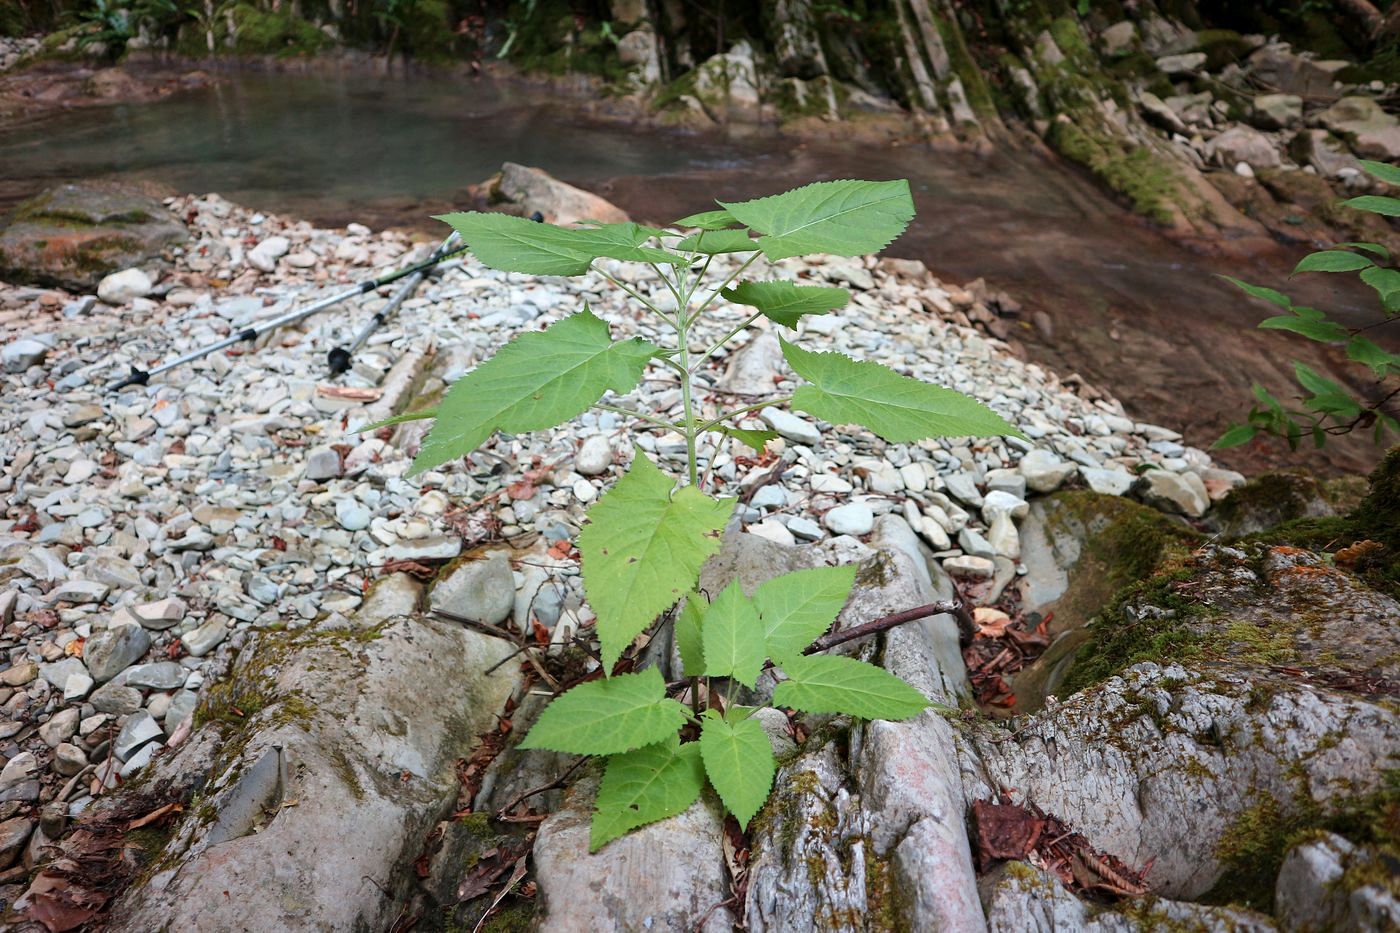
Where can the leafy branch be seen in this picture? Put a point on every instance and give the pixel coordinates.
(1329, 409)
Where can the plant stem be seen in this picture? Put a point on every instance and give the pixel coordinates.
(725, 339)
(659, 422)
(682, 333)
(669, 284)
(651, 307)
(722, 285)
(720, 419)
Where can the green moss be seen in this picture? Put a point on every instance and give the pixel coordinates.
(882, 915)
(1260, 644)
(267, 33)
(1146, 180)
(345, 770)
(515, 917)
(960, 59)
(1253, 848)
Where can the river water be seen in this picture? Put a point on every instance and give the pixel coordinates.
(1131, 311)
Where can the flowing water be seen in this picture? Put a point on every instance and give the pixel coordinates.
(1131, 311)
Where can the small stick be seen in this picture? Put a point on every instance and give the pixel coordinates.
(832, 639)
(557, 782)
(475, 623)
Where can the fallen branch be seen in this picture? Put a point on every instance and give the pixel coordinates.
(955, 607)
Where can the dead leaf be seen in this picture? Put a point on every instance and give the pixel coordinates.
(157, 814)
(1002, 831)
(991, 623)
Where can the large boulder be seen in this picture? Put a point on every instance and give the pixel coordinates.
(523, 191)
(73, 236)
(322, 764)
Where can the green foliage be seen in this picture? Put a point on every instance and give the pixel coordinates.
(727, 636)
(515, 244)
(843, 218)
(647, 538)
(897, 408)
(833, 684)
(274, 33)
(646, 785)
(799, 607)
(1327, 407)
(785, 303)
(643, 549)
(608, 716)
(534, 382)
(739, 761)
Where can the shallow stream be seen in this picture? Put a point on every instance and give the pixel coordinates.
(1130, 311)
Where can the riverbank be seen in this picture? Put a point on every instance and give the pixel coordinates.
(214, 579)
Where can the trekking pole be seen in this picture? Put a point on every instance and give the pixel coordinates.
(142, 376)
(340, 358)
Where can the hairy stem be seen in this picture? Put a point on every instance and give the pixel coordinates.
(695, 367)
(635, 294)
(723, 285)
(720, 419)
(650, 419)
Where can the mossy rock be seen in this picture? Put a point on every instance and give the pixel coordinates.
(275, 33)
(74, 235)
(1275, 498)
(1222, 47)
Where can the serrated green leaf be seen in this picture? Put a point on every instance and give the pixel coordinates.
(422, 415)
(830, 684)
(604, 717)
(739, 762)
(1364, 351)
(708, 220)
(1374, 248)
(536, 381)
(1332, 260)
(1390, 174)
(797, 608)
(1386, 282)
(1324, 331)
(687, 633)
(1376, 204)
(514, 244)
(642, 550)
(1237, 435)
(899, 409)
(756, 440)
(732, 637)
(644, 786)
(714, 242)
(785, 303)
(1259, 291)
(843, 218)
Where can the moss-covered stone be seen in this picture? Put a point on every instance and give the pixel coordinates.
(278, 33)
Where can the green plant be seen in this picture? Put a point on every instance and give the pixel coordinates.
(1328, 408)
(648, 537)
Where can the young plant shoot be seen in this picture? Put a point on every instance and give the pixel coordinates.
(648, 537)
